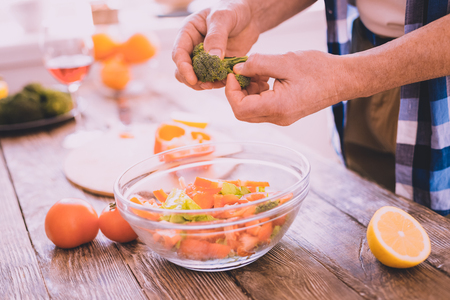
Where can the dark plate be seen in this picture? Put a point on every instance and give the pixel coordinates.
(39, 123)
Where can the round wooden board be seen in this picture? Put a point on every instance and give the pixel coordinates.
(94, 167)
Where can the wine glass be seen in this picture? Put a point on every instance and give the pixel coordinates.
(66, 44)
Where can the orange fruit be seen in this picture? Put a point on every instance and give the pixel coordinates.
(139, 48)
(104, 46)
(396, 239)
(115, 73)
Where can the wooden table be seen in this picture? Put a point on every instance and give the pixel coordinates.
(324, 255)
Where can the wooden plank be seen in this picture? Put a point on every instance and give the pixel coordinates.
(91, 271)
(161, 279)
(339, 242)
(360, 199)
(19, 270)
(290, 272)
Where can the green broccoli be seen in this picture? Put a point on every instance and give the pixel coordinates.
(34, 102)
(55, 103)
(19, 108)
(210, 68)
(36, 88)
(267, 206)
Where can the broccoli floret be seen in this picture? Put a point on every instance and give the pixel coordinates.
(36, 88)
(267, 206)
(244, 81)
(22, 107)
(210, 68)
(33, 103)
(55, 103)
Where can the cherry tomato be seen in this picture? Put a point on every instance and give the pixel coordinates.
(114, 227)
(71, 222)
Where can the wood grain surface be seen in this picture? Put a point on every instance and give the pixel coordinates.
(324, 255)
(20, 276)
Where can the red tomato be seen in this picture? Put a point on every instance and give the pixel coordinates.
(114, 227)
(71, 222)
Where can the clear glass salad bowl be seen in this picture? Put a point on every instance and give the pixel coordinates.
(274, 181)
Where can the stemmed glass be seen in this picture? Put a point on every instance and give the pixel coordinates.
(66, 44)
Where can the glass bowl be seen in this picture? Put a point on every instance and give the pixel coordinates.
(216, 239)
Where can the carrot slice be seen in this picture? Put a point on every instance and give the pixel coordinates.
(230, 199)
(204, 200)
(160, 195)
(206, 183)
(255, 183)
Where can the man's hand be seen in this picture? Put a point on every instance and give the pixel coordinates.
(304, 84)
(226, 30)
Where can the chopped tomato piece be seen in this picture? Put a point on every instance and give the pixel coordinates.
(247, 244)
(218, 201)
(210, 235)
(171, 241)
(279, 221)
(265, 232)
(235, 182)
(248, 211)
(202, 250)
(286, 198)
(254, 196)
(253, 230)
(232, 236)
(160, 195)
(218, 250)
(144, 214)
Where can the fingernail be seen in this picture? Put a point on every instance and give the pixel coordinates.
(216, 52)
(238, 68)
(206, 86)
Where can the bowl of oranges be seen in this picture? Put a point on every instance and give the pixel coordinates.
(118, 60)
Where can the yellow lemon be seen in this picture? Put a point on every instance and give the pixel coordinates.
(3, 89)
(189, 119)
(396, 239)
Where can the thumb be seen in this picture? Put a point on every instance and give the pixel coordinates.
(219, 24)
(263, 65)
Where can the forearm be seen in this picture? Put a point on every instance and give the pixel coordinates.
(269, 13)
(420, 55)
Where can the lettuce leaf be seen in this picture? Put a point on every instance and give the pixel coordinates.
(229, 188)
(178, 199)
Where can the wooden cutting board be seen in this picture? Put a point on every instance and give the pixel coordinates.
(94, 167)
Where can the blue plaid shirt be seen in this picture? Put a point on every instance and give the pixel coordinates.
(423, 137)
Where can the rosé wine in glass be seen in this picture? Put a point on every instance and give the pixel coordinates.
(69, 68)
